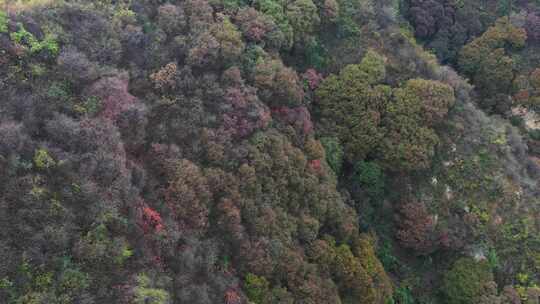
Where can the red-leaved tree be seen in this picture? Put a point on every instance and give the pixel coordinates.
(416, 228)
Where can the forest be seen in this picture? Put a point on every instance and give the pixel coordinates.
(270, 151)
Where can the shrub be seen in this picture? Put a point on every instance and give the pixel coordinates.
(410, 142)
(3, 22)
(351, 106)
(150, 220)
(114, 94)
(334, 153)
(205, 50)
(304, 18)
(72, 281)
(259, 27)
(257, 288)
(43, 160)
(532, 24)
(486, 60)
(363, 248)
(431, 99)
(329, 11)
(100, 250)
(416, 228)
(276, 10)
(403, 295)
(24, 37)
(171, 18)
(165, 78)
(370, 177)
(145, 294)
(76, 67)
(278, 84)
(188, 196)
(465, 281)
(229, 39)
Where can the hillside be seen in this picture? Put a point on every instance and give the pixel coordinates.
(270, 151)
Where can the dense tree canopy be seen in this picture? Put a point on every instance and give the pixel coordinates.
(486, 61)
(376, 120)
(269, 151)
